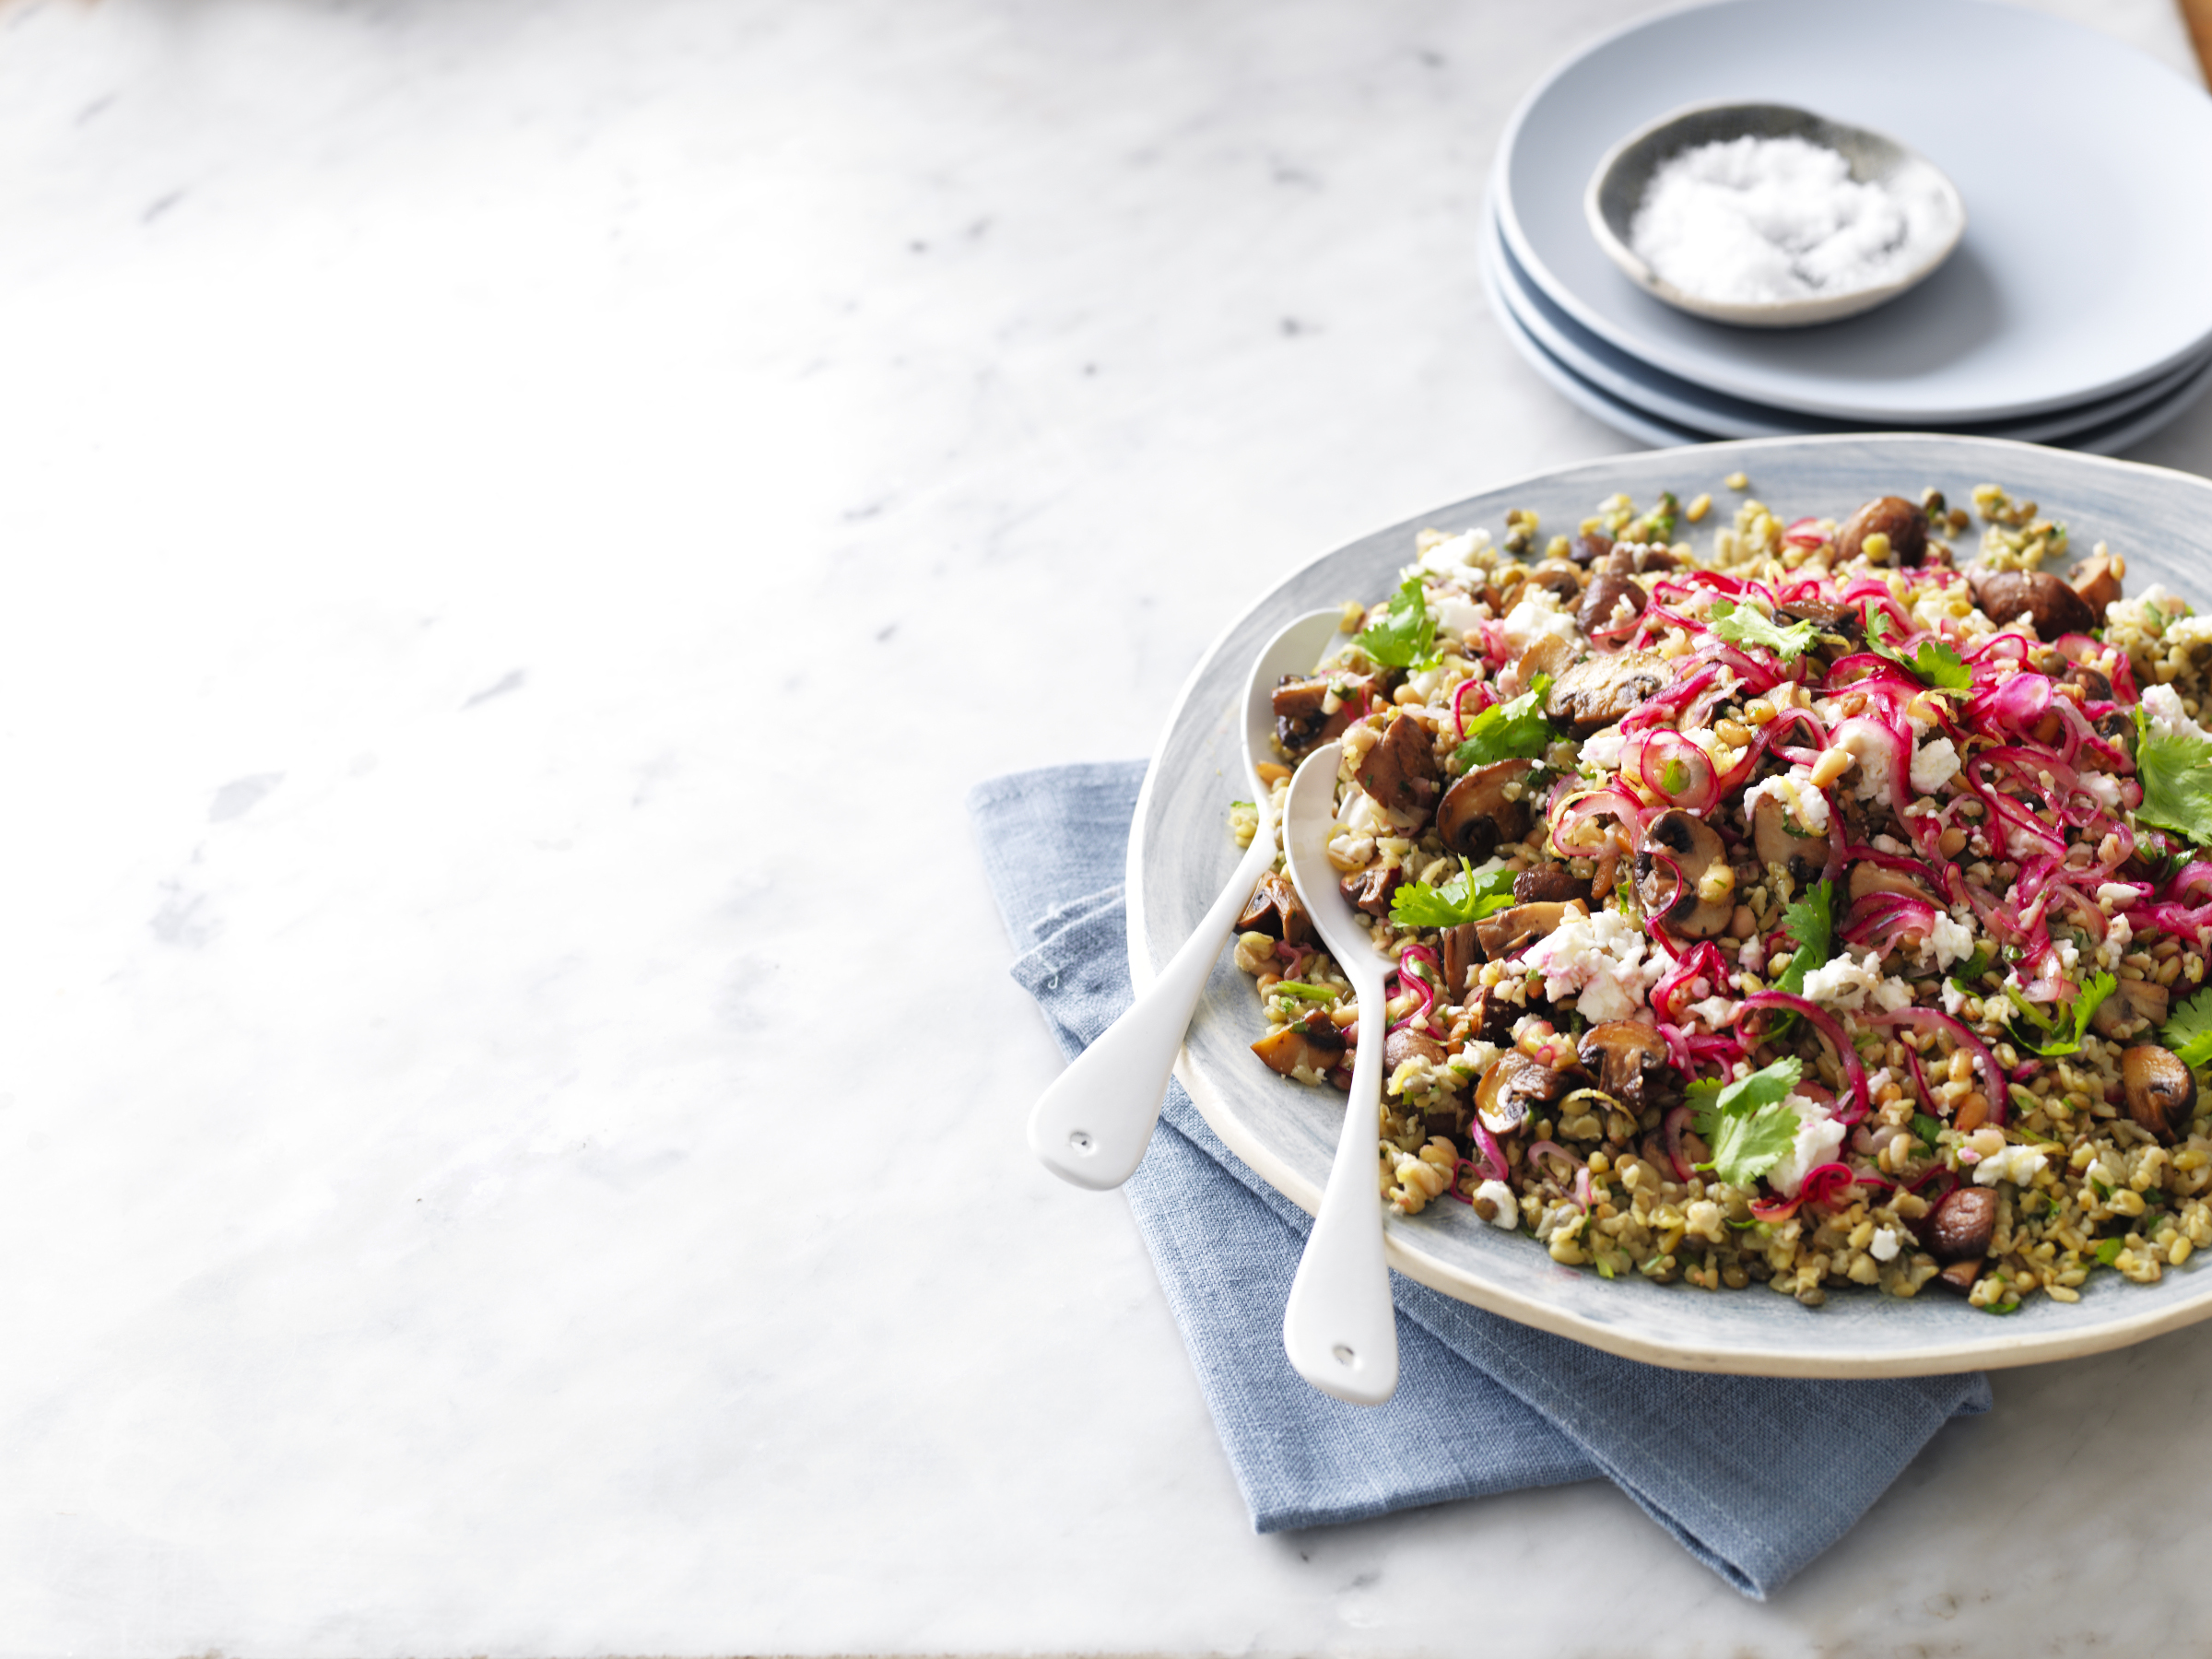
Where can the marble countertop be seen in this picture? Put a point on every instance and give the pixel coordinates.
(510, 1117)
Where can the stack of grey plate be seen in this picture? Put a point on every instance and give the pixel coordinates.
(2075, 311)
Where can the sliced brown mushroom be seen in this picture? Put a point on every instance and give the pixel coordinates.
(1401, 770)
(1962, 1225)
(1548, 653)
(1633, 558)
(1302, 717)
(1596, 692)
(1602, 601)
(1777, 840)
(2094, 686)
(1316, 1045)
(1829, 618)
(1371, 889)
(1960, 1276)
(2097, 581)
(1589, 548)
(1561, 578)
(1512, 1088)
(1460, 954)
(2049, 603)
(2134, 1003)
(1624, 1053)
(1510, 931)
(1487, 808)
(1678, 848)
(1276, 912)
(1870, 879)
(1905, 526)
(2161, 1091)
(1492, 1015)
(1402, 1046)
(1548, 884)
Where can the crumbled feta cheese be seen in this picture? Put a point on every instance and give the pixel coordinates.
(1797, 795)
(2189, 630)
(1603, 748)
(1871, 746)
(1934, 765)
(1818, 1135)
(2068, 953)
(1365, 815)
(2104, 787)
(2118, 936)
(2016, 1163)
(1954, 999)
(2116, 896)
(1455, 614)
(2163, 705)
(1534, 617)
(1455, 553)
(1505, 1210)
(1948, 941)
(1886, 1244)
(1844, 983)
(1606, 956)
(1717, 1012)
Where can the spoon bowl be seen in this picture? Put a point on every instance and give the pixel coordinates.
(1092, 1125)
(1340, 1329)
(1616, 190)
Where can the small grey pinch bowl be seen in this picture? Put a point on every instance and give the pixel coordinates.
(1616, 189)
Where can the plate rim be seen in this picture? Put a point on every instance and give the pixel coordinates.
(2053, 426)
(2004, 1348)
(1660, 354)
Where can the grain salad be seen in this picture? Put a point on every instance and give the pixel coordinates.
(1804, 909)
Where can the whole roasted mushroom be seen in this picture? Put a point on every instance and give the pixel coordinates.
(2161, 1091)
(1595, 693)
(1548, 884)
(2049, 603)
(1512, 1088)
(1777, 841)
(1602, 601)
(1485, 809)
(1898, 521)
(1678, 849)
(1624, 1053)
(1961, 1227)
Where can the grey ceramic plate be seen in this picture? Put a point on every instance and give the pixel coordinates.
(2083, 268)
(1653, 421)
(1713, 414)
(1180, 852)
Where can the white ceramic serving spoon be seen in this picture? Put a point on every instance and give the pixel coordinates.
(1093, 1124)
(1340, 1330)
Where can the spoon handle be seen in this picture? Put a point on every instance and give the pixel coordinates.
(1340, 1329)
(1093, 1124)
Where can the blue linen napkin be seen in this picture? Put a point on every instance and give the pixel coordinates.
(1753, 1477)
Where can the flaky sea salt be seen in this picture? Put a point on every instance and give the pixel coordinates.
(1759, 220)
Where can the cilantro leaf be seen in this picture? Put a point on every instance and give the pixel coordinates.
(1466, 898)
(2176, 771)
(1740, 625)
(1926, 1128)
(1745, 1124)
(1509, 731)
(1971, 970)
(1935, 664)
(2108, 1250)
(2094, 990)
(2188, 1030)
(1810, 921)
(1407, 635)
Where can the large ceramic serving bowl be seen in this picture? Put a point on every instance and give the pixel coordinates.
(1181, 852)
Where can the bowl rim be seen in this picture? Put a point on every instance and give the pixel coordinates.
(2006, 1346)
(1768, 313)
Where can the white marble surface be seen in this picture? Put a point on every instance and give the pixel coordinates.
(522, 518)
